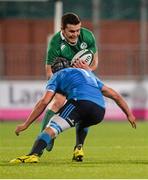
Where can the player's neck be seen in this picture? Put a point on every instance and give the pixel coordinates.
(72, 44)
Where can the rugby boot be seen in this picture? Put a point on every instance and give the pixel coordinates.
(78, 154)
(25, 159)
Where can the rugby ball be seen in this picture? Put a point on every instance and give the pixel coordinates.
(85, 55)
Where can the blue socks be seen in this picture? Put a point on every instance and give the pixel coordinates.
(40, 144)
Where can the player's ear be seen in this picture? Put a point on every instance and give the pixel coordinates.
(62, 28)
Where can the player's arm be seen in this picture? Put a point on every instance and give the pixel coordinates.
(94, 64)
(36, 112)
(94, 49)
(48, 71)
(53, 51)
(110, 93)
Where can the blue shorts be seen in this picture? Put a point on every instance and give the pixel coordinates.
(84, 112)
(76, 112)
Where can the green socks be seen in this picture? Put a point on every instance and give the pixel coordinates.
(49, 113)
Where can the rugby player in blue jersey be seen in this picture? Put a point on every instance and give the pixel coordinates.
(85, 106)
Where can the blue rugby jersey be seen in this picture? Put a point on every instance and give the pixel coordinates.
(78, 84)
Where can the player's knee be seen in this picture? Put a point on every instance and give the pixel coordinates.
(50, 131)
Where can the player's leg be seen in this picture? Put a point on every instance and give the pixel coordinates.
(54, 106)
(81, 134)
(57, 102)
(48, 115)
(90, 116)
(58, 123)
(38, 147)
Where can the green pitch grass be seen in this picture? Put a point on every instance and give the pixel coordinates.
(112, 150)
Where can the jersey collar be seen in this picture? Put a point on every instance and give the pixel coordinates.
(62, 37)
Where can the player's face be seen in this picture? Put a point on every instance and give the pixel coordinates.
(72, 32)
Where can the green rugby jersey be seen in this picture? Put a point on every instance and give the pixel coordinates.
(59, 47)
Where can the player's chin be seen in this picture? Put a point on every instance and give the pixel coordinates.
(73, 40)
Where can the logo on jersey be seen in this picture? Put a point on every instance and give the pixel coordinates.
(70, 121)
(83, 45)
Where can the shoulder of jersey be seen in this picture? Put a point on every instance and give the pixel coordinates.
(55, 40)
(86, 30)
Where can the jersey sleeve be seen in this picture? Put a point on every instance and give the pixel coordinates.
(53, 51)
(52, 83)
(90, 38)
(100, 83)
(93, 46)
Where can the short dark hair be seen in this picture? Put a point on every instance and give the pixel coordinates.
(60, 63)
(70, 18)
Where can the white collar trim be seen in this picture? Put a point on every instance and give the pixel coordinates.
(63, 38)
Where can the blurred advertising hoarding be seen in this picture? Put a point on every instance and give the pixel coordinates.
(17, 98)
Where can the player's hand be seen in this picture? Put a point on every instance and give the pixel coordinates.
(81, 64)
(132, 121)
(20, 128)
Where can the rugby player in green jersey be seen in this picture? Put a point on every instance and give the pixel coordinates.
(66, 43)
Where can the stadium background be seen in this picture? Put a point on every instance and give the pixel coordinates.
(113, 150)
(121, 30)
